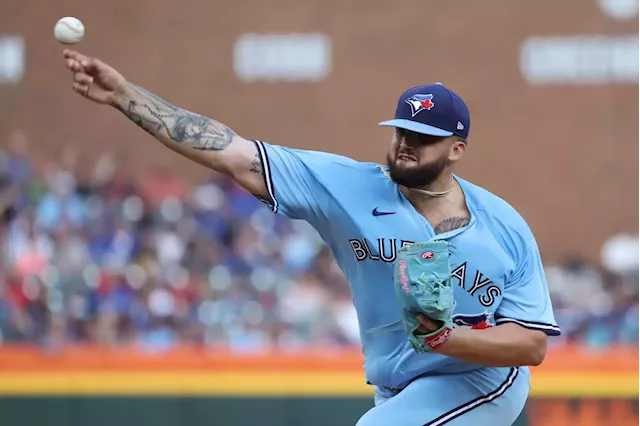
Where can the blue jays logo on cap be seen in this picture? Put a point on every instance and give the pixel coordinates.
(420, 103)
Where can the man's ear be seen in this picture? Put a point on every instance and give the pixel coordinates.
(458, 150)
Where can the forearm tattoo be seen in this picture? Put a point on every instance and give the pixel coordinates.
(163, 120)
(450, 224)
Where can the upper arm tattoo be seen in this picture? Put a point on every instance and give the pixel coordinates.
(450, 224)
(256, 165)
(160, 118)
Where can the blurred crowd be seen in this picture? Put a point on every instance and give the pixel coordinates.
(100, 257)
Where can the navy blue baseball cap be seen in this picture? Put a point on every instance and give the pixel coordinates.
(432, 110)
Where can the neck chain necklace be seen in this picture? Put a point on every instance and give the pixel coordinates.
(434, 194)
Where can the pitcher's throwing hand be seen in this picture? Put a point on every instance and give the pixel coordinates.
(94, 79)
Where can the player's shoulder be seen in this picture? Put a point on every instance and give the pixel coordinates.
(313, 156)
(338, 161)
(496, 210)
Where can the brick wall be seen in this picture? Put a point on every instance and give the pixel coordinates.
(565, 156)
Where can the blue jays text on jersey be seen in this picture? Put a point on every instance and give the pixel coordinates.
(364, 218)
(387, 251)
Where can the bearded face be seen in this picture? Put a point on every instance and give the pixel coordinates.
(416, 160)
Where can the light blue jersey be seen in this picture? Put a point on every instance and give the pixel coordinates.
(364, 218)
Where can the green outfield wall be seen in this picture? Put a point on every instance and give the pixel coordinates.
(182, 411)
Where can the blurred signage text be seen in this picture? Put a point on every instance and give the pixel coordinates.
(580, 60)
(12, 59)
(288, 57)
(584, 59)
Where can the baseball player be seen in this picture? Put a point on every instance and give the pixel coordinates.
(446, 277)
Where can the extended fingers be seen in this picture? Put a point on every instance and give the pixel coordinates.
(76, 61)
(82, 78)
(81, 88)
(73, 65)
(82, 83)
(72, 54)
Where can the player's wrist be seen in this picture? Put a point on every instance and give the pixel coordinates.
(438, 338)
(122, 94)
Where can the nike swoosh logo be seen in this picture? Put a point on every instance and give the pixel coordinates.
(377, 213)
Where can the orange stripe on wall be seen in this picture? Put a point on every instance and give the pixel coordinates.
(30, 358)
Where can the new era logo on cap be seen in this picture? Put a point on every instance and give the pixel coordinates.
(432, 110)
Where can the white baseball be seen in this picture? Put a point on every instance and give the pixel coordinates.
(68, 30)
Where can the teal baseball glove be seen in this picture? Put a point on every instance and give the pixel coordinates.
(422, 282)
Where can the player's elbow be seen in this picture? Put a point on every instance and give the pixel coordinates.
(537, 348)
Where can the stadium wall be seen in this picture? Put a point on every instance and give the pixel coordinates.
(195, 387)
